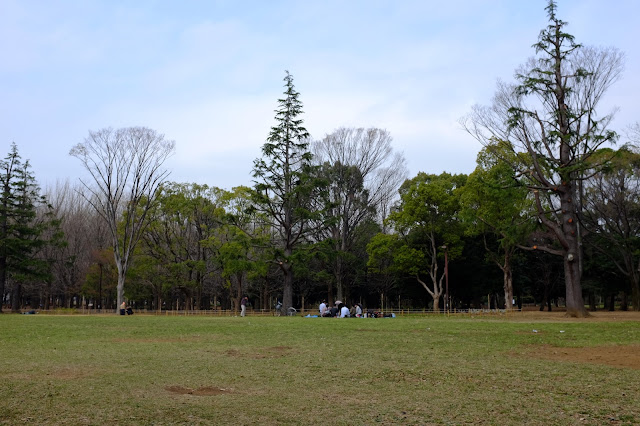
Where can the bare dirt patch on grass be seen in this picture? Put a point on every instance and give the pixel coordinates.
(615, 356)
(203, 391)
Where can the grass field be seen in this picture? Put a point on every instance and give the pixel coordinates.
(412, 370)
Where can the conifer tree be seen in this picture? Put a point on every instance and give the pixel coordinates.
(284, 184)
(550, 123)
(21, 232)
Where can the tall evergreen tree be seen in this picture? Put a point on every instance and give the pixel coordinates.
(550, 122)
(284, 184)
(21, 234)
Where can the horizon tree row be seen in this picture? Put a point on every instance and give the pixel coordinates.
(338, 219)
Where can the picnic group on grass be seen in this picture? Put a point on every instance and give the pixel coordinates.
(340, 310)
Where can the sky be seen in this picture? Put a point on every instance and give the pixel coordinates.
(208, 73)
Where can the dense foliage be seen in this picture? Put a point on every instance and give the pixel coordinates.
(549, 216)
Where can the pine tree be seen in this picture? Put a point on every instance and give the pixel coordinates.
(20, 229)
(284, 184)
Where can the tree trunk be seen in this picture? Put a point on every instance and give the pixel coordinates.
(546, 298)
(592, 302)
(574, 300)
(635, 288)
(120, 286)
(569, 240)
(238, 298)
(263, 296)
(338, 275)
(612, 302)
(508, 282)
(16, 297)
(287, 290)
(3, 279)
(436, 303)
(198, 305)
(47, 298)
(158, 299)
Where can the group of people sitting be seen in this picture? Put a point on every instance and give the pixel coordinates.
(340, 310)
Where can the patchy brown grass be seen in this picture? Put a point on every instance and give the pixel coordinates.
(561, 316)
(615, 356)
(421, 370)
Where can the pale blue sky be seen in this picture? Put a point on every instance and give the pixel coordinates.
(208, 73)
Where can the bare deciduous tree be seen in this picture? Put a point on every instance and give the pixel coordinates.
(365, 176)
(383, 169)
(633, 134)
(611, 215)
(126, 166)
(84, 233)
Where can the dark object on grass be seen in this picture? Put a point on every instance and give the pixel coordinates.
(129, 311)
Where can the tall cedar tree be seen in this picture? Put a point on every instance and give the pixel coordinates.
(284, 184)
(550, 123)
(21, 231)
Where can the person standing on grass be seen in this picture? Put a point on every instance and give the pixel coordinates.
(323, 307)
(243, 306)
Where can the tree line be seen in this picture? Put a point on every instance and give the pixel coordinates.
(549, 214)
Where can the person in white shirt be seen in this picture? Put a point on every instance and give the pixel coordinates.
(344, 311)
(358, 311)
(323, 308)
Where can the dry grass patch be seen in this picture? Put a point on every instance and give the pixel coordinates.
(615, 356)
(414, 370)
(561, 316)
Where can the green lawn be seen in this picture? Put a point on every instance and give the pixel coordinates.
(266, 370)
